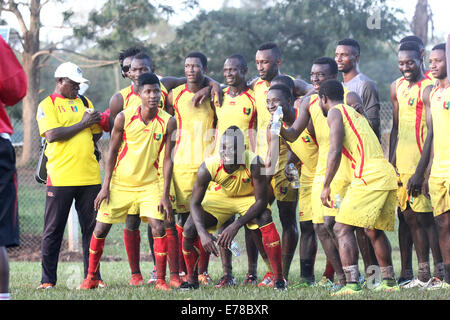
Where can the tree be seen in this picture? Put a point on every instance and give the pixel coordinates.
(421, 19)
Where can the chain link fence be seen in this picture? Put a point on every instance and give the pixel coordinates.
(31, 197)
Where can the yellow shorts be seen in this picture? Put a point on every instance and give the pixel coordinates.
(417, 204)
(282, 188)
(123, 203)
(372, 209)
(304, 203)
(183, 183)
(440, 199)
(217, 203)
(338, 187)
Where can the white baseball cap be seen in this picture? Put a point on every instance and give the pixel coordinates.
(71, 71)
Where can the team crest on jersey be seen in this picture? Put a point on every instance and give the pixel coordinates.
(283, 190)
(157, 136)
(171, 198)
(74, 108)
(446, 105)
(247, 111)
(411, 101)
(246, 180)
(306, 139)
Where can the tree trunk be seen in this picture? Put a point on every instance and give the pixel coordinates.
(419, 24)
(31, 100)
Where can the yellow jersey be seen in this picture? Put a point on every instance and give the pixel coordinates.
(236, 184)
(440, 111)
(322, 132)
(70, 162)
(412, 128)
(137, 164)
(307, 150)
(195, 135)
(131, 98)
(370, 168)
(238, 111)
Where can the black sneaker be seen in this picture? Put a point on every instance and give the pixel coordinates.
(186, 286)
(250, 279)
(226, 281)
(280, 285)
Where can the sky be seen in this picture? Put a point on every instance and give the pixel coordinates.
(51, 17)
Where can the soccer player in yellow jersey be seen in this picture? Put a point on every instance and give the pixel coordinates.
(407, 140)
(243, 191)
(194, 139)
(310, 117)
(268, 62)
(436, 150)
(132, 182)
(370, 201)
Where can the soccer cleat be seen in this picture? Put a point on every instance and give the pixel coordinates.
(415, 283)
(267, 281)
(336, 286)
(153, 277)
(387, 286)
(162, 285)
(186, 286)
(250, 279)
(349, 289)
(101, 284)
(324, 282)
(280, 285)
(403, 281)
(226, 281)
(136, 280)
(436, 283)
(45, 286)
(175, 280)
(204, 278)
(91, 282)
(183, 276)
(304, 283)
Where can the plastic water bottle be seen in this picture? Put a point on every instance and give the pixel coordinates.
(234, 248)
(277, 121)
(293, 171)
(338, 201)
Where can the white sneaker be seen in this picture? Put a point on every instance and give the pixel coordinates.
(436, 283)
(415, 283)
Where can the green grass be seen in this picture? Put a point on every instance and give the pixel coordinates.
(25, 277)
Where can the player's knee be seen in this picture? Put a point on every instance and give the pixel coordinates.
(264, 218)
(340, 230)
(101, 230)
(158, 229)
(329, 223)
(320, 230)
(132, 222)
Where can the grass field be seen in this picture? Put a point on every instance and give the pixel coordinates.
(25, 277)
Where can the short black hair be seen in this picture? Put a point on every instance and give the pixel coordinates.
(147, 78)
(236, 132)
(240, 58)
(129, 52)
(271, 46)
(411, 46)
(350, 42)
(143, 56)
(440, 46)
(332, 89)
(413, 38)
(285, 80)
(330, 62)
(199, 55)
(284, 89)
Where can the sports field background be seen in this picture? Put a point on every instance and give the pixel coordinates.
(26, 268)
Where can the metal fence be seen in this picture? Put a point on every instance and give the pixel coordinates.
(31, 196)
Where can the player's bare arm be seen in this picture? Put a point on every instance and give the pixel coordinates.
(416, 182)
(336, 125)
(291, 134)
(302, 88)
(168, 169)
(394, 132)
(114, 146)
(169, 104)
(115, 106)
(65, 133)
(198, 193)
(355, 101)
(260, 189)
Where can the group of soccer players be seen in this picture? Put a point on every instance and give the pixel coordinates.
(203, 152)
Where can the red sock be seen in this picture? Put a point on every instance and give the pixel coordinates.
(181, 264)
(203, 262)
(191, 258)
(132, 240)
(160, 247)
(272, 246)
(172, 251)
(95, 253)
(329, 271)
